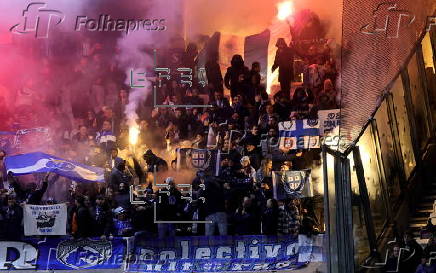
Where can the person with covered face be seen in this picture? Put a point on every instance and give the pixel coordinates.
(284, 61)
(236, 76)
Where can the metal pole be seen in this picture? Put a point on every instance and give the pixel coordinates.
(326, 209)
(370, 230)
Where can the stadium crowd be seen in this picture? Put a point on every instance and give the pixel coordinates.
(242, 125)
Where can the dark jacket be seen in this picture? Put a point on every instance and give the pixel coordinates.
(102, 218)
(84, 222)
(169, 206)
(269, 221)
(214, 197)
(153, 160)
(10, 221)
(117, 177)
(214, 76)
(237, 68)
(232, 75)
(244, 223)
(284, 61)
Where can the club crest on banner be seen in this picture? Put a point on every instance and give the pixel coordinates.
(199, 159)
(97, 252)
(294, 182)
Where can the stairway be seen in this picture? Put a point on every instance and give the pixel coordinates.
(423, 209)
(427, 198)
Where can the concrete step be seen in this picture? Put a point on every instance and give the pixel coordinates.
(424, 205)
(420, 225)
(420, 219)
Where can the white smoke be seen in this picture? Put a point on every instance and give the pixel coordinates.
(135, 48)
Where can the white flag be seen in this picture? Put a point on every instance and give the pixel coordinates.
(45, 220)
(329, 123)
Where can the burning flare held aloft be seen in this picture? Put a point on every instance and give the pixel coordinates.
(284, 10)
(133, 135)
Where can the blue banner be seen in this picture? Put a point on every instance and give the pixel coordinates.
(223, 254)
(62, 254)
(41, 163)
(178, 254)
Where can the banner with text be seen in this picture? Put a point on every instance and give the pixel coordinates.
(224, 254)
(178, 254)
(45, 220)
(329, 122)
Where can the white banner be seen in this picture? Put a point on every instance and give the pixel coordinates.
(45, 220)
(329, 122)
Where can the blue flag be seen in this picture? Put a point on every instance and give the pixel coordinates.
(205, 160)
(292, 184)
(224, 253)
(299, 134)
(41, 163)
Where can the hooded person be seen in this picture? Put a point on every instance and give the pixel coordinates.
(284, 61)
(153, 161)
(236, 76)
(213, 74)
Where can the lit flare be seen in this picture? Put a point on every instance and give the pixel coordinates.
(284, 10)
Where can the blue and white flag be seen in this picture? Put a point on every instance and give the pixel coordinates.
(41, 163)
(292, 184)
(200, 159)
(299, 134)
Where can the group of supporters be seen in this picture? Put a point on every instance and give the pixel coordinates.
(237, 200)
